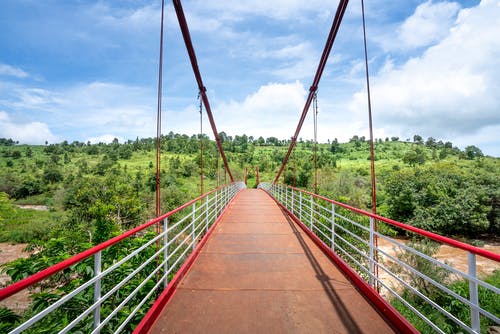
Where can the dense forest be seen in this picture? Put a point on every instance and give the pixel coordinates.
(92, 192)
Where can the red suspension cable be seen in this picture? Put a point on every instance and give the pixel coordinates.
(201, 146)
(194, 63)
(315, 111)
(322, 63)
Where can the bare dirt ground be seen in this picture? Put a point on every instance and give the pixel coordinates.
(454, 257)
(9, 252)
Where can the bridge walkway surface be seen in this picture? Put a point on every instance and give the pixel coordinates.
(260, 273)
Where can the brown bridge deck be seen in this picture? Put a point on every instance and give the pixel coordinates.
(260, 273)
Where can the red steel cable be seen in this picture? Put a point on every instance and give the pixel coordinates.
(315, 111)
(194, 63)
(201, 147)
(322, 63)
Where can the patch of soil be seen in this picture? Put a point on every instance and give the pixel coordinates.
(454, 257)
(8, 252)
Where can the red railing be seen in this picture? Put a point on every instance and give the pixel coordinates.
(349, 235)
(152, 259)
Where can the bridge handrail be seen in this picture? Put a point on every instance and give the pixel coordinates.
(202, 212)
(436, 237)
(41, 275)
(352, 244)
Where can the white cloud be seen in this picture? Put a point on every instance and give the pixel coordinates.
(107, 138)
(85, 110)
(448, 91)
(38, 99)
(8, 70)
(429, 24)
(147, 17)
(273, 110)
(102, 107)
(28, 132)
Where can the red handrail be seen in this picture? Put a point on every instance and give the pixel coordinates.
(41, 275)
(436, 237)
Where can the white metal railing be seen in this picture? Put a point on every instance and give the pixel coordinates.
(401, 271)
(112, 283)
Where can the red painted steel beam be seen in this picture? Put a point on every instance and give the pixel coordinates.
(194, 63)
(314, 87)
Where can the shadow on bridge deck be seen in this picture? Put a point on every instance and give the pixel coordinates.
(259, 272)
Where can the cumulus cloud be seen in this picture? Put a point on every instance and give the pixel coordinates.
(429, 24)
(85, 110)
(8, 70)
(27, 132)
(272, 110)
(451, 88)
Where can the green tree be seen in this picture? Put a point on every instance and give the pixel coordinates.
(414, 157)
(472, 152)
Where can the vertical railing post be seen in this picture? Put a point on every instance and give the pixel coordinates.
(165, 250)
(193, 225)
(206, 213)
(293, 200)
(300, 206)
(97, 289)
(286, 197)
(333, 227)
(372, 252)
(219, 200)
(216, 204)
(473, 293)
(312, 217)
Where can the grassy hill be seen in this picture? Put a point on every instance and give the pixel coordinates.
(428, 184)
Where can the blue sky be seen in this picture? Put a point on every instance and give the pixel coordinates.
(87, 70)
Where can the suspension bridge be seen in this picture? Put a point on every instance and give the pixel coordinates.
(274, 259)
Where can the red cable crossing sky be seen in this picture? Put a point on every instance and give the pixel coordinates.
(194, 63)
(314, 87)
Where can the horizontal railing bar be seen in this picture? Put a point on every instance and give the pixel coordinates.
(136, 309)
(24, 283)
(412, 308)
(328, 228)
(182, 220)
(130, 296)
(366, 229)
(439, 263)
(115, 288)
(438, 285)
(427, 299)
(366, 242)
(360, 265)
(202, 216)
(476, 250)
